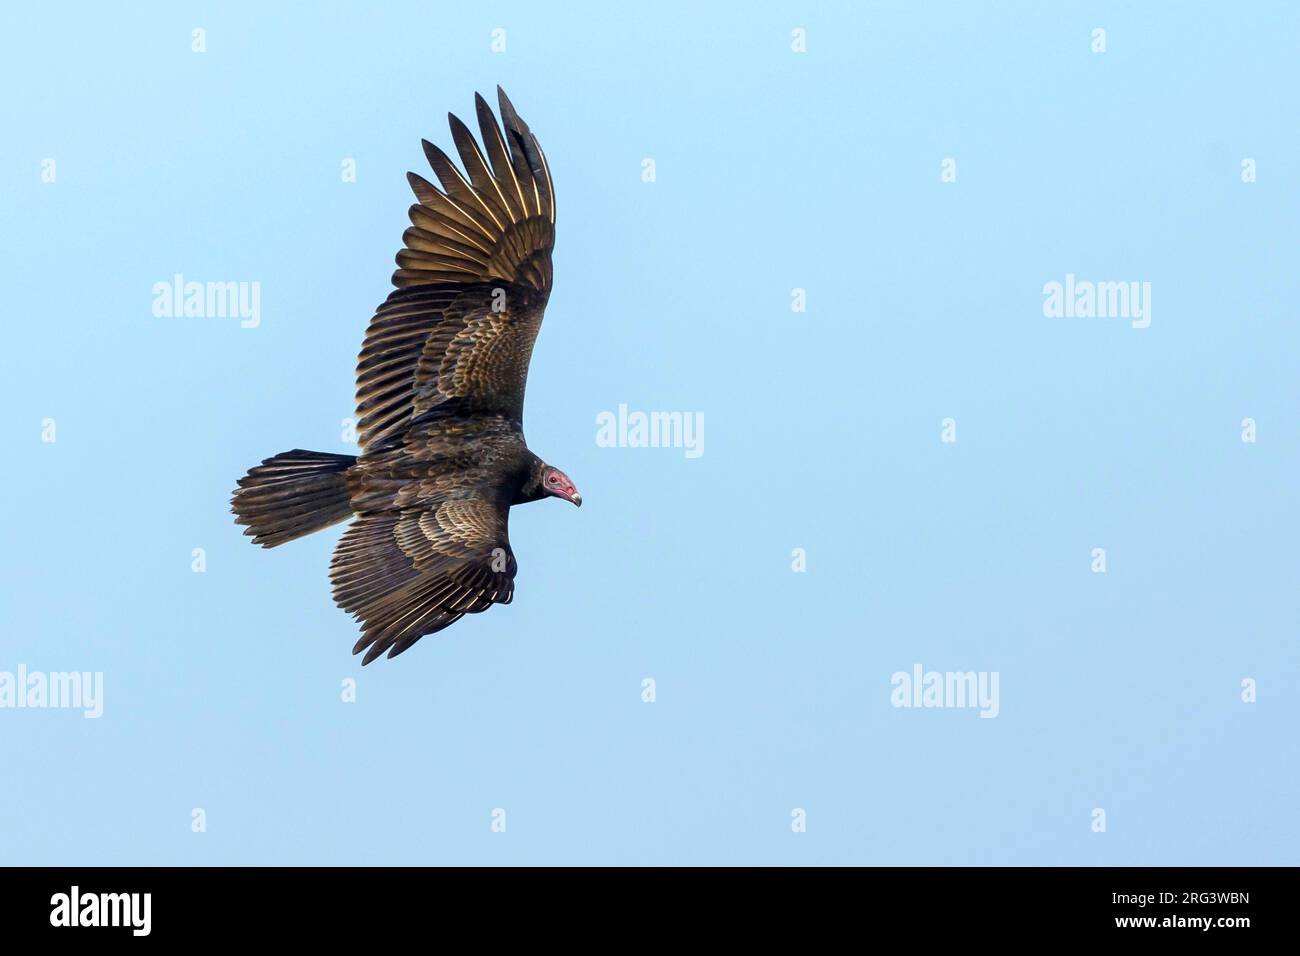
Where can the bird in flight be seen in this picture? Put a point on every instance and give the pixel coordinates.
(440, 401)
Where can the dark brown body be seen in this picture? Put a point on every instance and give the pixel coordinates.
(440, 457)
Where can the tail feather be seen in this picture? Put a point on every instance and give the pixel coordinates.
(291, 495)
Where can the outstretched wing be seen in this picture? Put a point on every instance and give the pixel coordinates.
(411, 572)
(473, 279)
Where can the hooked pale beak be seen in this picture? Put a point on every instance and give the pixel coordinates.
(577, 499)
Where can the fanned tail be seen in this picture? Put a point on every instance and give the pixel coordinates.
(293, 494)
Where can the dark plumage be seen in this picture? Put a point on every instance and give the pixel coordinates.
(440, 398)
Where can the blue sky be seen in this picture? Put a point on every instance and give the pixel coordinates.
(774, 171)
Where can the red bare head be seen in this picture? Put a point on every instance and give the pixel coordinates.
(557, 483)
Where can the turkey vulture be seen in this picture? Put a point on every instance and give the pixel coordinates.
(440, 400)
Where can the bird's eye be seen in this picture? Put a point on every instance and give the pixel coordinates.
(554, 480)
